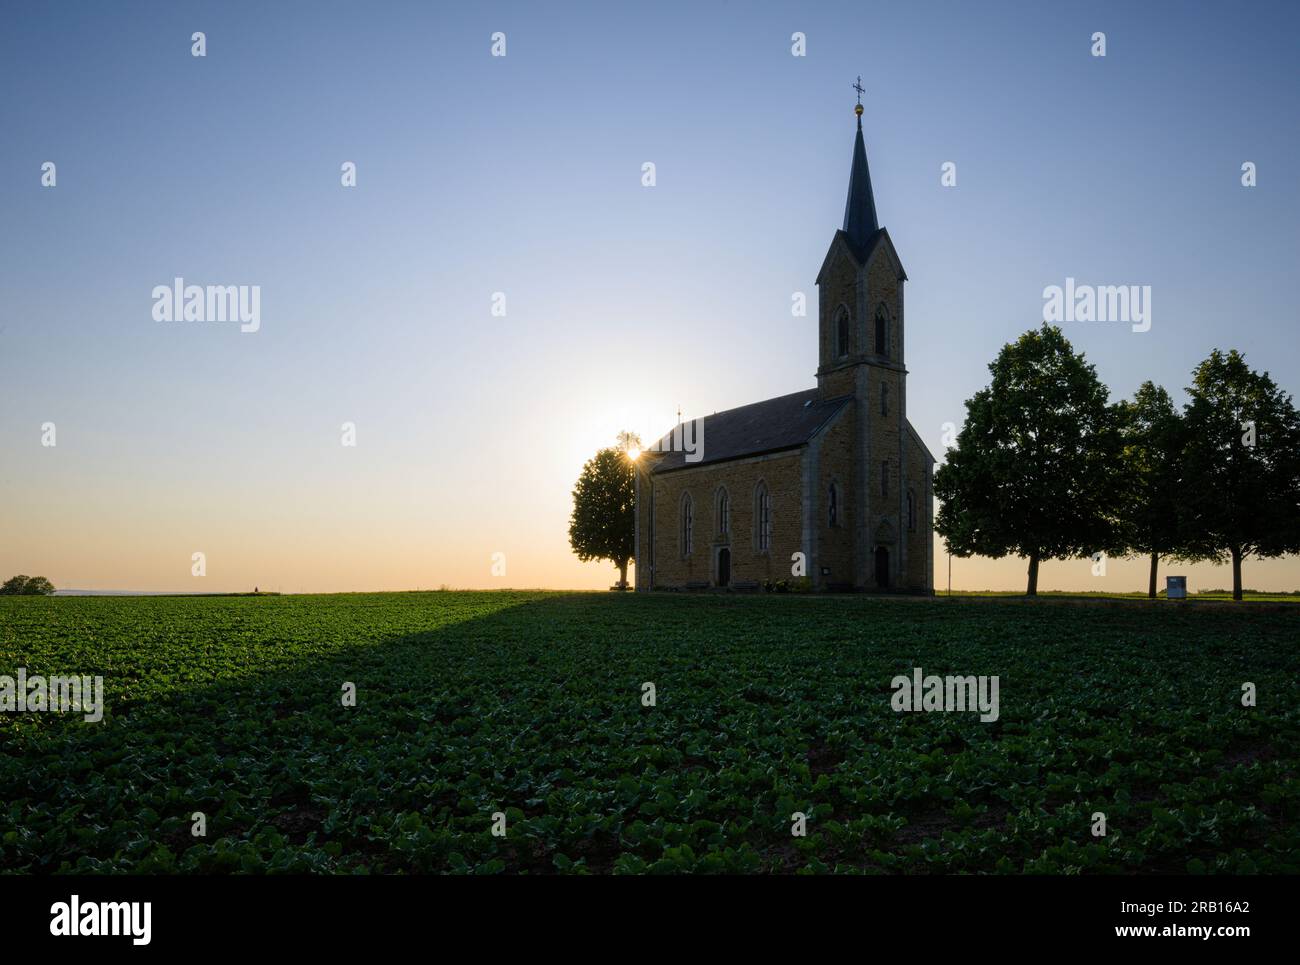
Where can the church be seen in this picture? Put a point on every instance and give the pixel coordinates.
(828, 488)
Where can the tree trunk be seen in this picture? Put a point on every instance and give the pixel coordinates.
(1151, 584)
(622, 574)
(1236, 573)
(1032, 589)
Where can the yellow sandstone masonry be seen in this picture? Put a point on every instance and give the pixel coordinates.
(848, 481)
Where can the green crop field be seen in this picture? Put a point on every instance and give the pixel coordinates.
(530, 704)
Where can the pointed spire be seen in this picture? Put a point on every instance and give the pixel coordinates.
(860, 209)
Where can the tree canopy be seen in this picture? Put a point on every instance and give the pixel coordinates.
(1150, 483)
(603, 523)
(27, 586)
(1032, 470)
(1242, 465)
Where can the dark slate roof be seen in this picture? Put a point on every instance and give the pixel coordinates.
(785, 422)
(860, 221)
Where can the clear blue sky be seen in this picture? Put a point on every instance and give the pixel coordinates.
(522, 174)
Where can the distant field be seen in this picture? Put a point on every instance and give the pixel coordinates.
(530, 704)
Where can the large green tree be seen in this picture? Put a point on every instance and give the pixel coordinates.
(603, 524)
(1150, 483)
(1033, 470)
(1242, 465)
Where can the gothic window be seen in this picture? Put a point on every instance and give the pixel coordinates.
(884, 478)
(882, 330)
(911, 512)
(841, 332)
(833, 505)
(723, 512)
(688, 524)
(762, 518)
(884, 398)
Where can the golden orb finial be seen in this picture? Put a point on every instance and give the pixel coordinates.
(858, 110)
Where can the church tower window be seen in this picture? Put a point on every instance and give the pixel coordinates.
(833, 506)
(884, 478)
(884, 398)
(841, 332)
(882, 330)
(911, 512)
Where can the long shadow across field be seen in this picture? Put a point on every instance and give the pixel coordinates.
(763, 707)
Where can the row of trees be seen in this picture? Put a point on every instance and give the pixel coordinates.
(1046, 467)
(27, 586)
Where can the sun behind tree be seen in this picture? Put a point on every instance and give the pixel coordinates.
(603, 524)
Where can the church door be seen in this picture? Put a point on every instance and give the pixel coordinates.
(724, 566)
(882, 567)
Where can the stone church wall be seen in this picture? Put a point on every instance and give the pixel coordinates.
(920, 566)
(834, 550)
(783, 476)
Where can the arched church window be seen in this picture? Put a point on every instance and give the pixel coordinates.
(841, 332)
(911, 512)
(762, 518)
(882, 330)
(833, 505)
(884, 398)
(687, 536)
(723, 512)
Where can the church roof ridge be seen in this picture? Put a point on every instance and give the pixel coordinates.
(802, 393)
(772, 425)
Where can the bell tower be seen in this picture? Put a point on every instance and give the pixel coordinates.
(860, 355)
(860, 288)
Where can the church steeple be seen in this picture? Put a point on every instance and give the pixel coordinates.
(860, 208)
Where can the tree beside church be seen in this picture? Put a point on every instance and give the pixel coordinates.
(602, 525)
(1242, 461)
(1034, 473)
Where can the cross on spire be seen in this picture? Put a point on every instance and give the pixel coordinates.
(860, 208)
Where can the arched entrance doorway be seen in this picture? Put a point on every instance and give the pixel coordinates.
(724, 567)
(882, 567)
